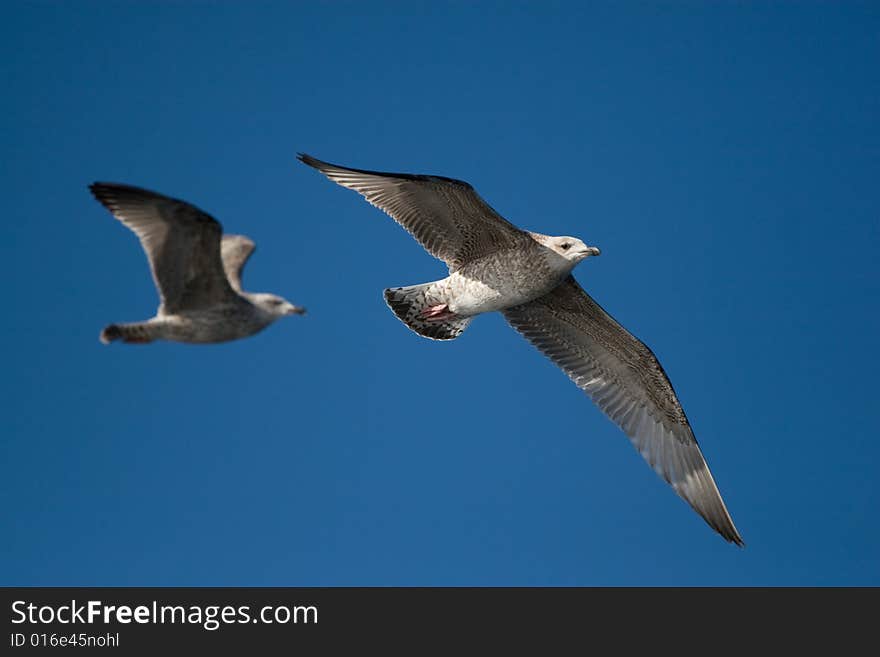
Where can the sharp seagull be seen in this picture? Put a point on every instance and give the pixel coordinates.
(493, 265)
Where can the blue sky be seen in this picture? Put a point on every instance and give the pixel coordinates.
(724, 156)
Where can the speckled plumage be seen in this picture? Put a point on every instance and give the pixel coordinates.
(196, 269)
(495, 266)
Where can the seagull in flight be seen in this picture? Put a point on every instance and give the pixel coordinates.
(495, 266)
(196, 269)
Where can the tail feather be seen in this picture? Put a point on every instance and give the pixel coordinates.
(408, 303)
(130, 333)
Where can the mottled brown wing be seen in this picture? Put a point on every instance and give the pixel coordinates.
(624, 378)
(182, 244)
(446, 216)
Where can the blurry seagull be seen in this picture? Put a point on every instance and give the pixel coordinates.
(493, 265)
(197, 271)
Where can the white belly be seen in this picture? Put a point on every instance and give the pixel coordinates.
(467, 296)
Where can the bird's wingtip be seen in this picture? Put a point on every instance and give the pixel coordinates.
(729, 532)
(101, 191)
(314, 162)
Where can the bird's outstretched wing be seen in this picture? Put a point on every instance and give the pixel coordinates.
(446, 216)
(182, 244)
(624, 378)
(235, 251)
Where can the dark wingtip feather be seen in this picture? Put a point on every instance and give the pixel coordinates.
(305, 158)
(105, 194)
(115, 196)
(108, 193)
(321, 165)
(725, 528)
(736, 539)
(99, 189)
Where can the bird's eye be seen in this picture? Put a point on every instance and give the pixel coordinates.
(566, 246)
(276, 302)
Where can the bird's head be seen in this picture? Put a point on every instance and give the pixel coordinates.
(566, 251)
(274, 305)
